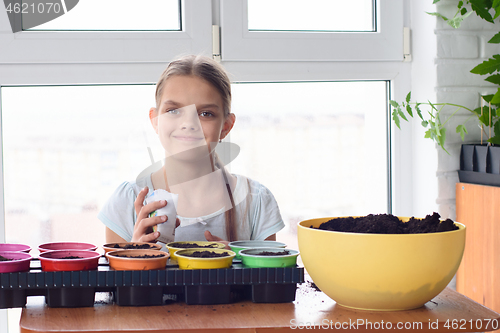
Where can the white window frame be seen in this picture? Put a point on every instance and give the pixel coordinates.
(137, 50)
(240, 44)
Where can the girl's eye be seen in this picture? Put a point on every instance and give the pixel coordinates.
(172, 111)
(206, 114)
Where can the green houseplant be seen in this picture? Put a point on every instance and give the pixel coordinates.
(431, 115)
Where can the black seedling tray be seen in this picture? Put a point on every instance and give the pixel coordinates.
(153, 287)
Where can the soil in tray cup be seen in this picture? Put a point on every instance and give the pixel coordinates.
(176, 246)
(12, 262)
(66, 246)
(130, 246)
(11, 247)
(137, 259)
(69, 260)
(237, 246)
(382, 272)
(205, 258)
(269, 257)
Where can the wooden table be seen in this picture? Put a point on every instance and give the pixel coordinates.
(449, 312)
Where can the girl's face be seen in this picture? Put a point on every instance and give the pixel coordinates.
(190, 116)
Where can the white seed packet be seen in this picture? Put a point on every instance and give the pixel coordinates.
(166, 229)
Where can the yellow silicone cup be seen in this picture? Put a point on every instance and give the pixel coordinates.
(172, 250)
(186, 262)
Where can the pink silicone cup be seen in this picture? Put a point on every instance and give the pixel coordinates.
(11, 247)
(52, 261)
(66, 246)
(21, 262)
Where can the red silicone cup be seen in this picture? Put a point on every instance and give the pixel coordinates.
(66, 246)
(52, 261)
(21, 262)
(11, 247)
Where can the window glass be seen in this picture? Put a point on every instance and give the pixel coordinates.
(311, 15)
(320, 147)
(65, 150)
(118, 15)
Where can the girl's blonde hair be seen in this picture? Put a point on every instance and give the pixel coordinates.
(202, 67)
(212, 72)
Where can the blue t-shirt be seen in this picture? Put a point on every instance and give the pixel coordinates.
(257, 213)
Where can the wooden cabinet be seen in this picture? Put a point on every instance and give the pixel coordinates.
(478, 207)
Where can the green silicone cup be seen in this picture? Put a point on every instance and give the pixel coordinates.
(251, 258)
(237, 246)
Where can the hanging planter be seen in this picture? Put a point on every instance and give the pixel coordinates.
(494, 158)
(480, 164)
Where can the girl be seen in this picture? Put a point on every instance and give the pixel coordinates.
(192, 114)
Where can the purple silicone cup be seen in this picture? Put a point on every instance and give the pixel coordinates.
(20, 262)
(11, 247)
(66, 246)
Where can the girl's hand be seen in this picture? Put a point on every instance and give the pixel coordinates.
(212, 238)
(144, 223)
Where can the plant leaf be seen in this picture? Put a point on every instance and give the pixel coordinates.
(496, 138)
(481, 9)
(457, 20)
(438, 15)
(495, 78)
(463, 11)
(442, 137)
(485, 118)
(402, 114)
(478, 111)
(394, 104)
(462, 131)
(496, 98)
(460, 4)
(488, 66)
(417, 108)
(436, 129)
(496, 6)
(433, 108)
(488, 98)
(424, 123)
(435, 1)
(408, 109)
(395, 118)
(495, 39)
(408, 97)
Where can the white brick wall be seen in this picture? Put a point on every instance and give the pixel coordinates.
(458, 51)
(457, 46)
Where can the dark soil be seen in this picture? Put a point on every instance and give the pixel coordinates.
(133, 246)
(193, 246)
(144, 256)
(71, 257)
(274, 254)
(314, 286)
(207, 254)
(389, 224)
(5, 259)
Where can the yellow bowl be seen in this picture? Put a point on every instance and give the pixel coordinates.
(383, 272)
(203, 244)
(186, 262)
